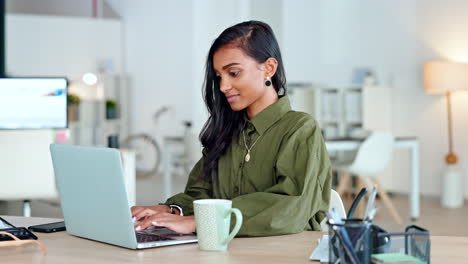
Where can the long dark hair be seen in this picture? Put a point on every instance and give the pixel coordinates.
(257, 40)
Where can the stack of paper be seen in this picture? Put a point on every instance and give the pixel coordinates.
(394, 258)
(321, 253)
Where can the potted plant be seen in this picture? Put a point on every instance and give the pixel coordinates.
(111, 109)
(72, 107)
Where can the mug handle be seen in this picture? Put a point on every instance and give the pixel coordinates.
(237, 227)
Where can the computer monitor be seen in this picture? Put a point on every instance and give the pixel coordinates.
(33, 103)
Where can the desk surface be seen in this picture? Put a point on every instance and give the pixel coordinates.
(63, 248)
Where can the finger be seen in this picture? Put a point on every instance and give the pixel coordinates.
(140, 214)
(148, 221)
(136, 209)
(144, 224)
(170, 224)
(144, 214)
(159, 223)
(178, 224)
(174, 225)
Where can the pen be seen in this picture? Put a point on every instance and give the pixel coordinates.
(372, 213)
(370, 203)
(356, 202)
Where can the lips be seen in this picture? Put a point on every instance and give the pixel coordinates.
(232, 98)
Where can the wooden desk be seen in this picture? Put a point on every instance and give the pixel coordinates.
(63, 248)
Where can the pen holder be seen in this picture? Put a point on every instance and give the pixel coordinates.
(350, 242)
(415, 242)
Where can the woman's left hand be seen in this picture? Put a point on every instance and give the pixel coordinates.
(176, 223)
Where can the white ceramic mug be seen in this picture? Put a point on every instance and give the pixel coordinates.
(213, 219)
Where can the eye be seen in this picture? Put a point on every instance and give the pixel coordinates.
(234, 73)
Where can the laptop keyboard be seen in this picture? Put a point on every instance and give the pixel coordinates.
(144, 237)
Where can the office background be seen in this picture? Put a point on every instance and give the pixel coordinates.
(162, 45)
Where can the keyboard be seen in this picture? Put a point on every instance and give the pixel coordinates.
(145, 237)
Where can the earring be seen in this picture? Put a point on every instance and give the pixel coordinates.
(267, 81)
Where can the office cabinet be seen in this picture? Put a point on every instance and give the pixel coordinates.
(338, 110)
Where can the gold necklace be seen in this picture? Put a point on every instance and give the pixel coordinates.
(247, 156)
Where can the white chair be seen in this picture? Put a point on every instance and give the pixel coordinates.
(337, 203)
(373, 156)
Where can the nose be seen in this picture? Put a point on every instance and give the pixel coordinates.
(224, 85)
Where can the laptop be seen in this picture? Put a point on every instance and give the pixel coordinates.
(94, 199)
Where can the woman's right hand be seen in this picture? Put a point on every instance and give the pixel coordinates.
(141, 212)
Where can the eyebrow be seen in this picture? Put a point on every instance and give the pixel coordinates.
(230, 64)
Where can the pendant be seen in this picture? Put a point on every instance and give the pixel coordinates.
(247, 157)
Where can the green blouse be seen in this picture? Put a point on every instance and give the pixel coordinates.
(285, 186)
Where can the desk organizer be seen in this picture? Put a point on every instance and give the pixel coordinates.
(366, 239)
(415, 241)
(358, 233)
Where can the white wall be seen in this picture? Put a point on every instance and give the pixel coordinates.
(60, 46)
(325, 40)
(61, 7)
(50, 7)
(158, 40)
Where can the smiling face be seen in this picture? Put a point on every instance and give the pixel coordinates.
(242, 80)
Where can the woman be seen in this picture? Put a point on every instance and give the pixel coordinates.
(269, 160)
